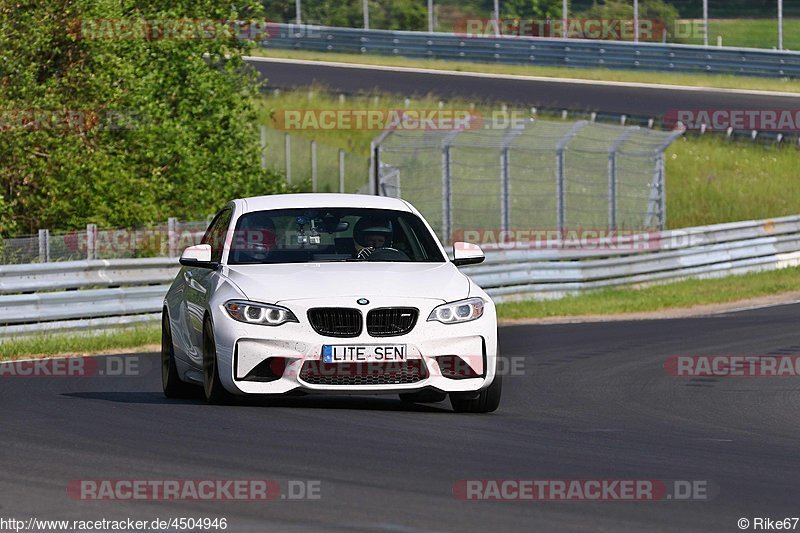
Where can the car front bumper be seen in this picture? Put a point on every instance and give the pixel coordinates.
(243, 347)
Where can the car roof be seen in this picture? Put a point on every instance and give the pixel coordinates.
(312, 200)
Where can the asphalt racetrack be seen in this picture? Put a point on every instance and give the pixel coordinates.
(639, 101)
(589, 401)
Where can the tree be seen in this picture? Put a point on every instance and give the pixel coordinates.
(535, 9)
(112, 128)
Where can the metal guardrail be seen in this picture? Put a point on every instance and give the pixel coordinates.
(82, 295)
(91, 295)
(539, 51)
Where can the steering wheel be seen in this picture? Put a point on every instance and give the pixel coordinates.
(382, 254)
(252, 251)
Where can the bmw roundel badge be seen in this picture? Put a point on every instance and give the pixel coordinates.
(362, 301)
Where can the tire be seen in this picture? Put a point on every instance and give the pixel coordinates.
(215, 393)
(170, 381)
(424, 396)
(487, 400)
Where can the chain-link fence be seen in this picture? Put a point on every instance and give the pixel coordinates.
(536, 175)
(324, 168)
(166, 240)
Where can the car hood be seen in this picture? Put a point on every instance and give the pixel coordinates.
(284, 282)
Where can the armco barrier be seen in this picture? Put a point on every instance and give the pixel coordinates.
(90, 295)
(538, 51)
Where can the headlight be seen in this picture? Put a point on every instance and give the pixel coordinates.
(256, 313)
(456, 312)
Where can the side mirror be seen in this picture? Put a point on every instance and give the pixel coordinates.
(465, 253)
(198, 256)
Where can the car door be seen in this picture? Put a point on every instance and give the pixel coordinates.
(198, 283)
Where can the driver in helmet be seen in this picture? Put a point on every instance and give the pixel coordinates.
(371, 233)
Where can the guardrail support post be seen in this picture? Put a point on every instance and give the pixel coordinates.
(172, 236)
(44, 245)
(91, 241)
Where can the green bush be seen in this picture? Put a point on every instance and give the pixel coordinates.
(537, 9)
(165, 127)
(659, 10)
(383, 14)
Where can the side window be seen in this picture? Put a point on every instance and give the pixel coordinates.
(216, 233)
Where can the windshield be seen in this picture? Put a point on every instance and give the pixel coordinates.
(331, 235)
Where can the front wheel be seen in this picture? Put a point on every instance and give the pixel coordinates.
(487, 401)
(171, 383)
(212, 386)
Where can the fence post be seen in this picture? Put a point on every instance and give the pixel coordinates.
(612, 189)
(505, 196)
(662, 193)
(44, 245)
(341, 170)
(561, 174)
(375, 185)
(287, 152)
(612, 175)
(447, 189)
(560, 204)
(446, 194)
(313, 166)
(372, 189)
(263, 147)
(172, 236)
(505, 177)
(660, 185)
(653, 217)
(91, 241)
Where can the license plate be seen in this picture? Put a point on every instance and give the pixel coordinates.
(377, 353)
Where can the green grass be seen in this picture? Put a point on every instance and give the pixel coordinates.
(691, 80)
(712, 180)
(751, 33)
(656, 298)
(58, 344)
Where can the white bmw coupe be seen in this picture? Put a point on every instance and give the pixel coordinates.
(333, 294)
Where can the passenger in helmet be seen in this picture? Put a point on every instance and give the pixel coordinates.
(371, 233)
